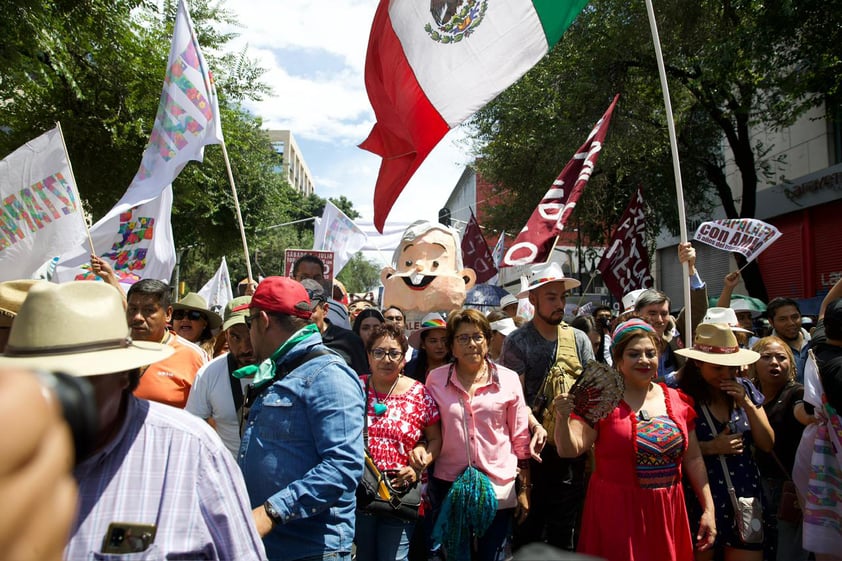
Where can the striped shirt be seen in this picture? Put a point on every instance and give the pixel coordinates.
(168, 468)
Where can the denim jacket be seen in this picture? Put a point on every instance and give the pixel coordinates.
(302, 450)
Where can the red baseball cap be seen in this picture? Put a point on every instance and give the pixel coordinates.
(282, 295)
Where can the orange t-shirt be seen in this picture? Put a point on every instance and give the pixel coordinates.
(169, 381)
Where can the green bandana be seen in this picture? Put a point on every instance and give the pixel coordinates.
(266, 369)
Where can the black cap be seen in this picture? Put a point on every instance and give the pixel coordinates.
(315, 291)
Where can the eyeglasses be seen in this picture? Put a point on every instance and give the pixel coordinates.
(779, 358)
(465, 338)
(192, 315)
(380, 354)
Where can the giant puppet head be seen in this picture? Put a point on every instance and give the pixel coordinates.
(426, 273)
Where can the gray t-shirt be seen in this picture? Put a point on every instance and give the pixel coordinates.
(527, 352)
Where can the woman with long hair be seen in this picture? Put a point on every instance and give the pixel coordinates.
(365, 322)
(730, 422)
(635, 508)
(774, 376)
(192, 320)
(404, 437)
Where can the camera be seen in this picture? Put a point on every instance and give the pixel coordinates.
(78, 406)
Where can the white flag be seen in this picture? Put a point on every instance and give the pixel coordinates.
(337, 233)
(497, 255)
(741, 235)
(187, 120)
(40, 213)
(138, 242)
(217, 291)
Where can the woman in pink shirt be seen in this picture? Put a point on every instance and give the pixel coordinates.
(484, 423)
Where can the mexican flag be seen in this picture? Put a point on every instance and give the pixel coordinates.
(431, 65)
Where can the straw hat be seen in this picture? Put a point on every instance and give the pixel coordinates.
(726, 316)
(12, 295)
(193, 301)
(430, 321)
(715, 343)
(546, 273)
(78, 327)
(507, 300)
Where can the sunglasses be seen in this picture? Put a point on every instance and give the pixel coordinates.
(192, 315)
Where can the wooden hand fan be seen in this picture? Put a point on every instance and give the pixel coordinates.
(597, 392)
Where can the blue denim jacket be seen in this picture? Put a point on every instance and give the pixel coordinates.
(302, 450)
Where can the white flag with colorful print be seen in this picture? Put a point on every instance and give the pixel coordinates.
(187, 119)
(431, 65)
(335, 232)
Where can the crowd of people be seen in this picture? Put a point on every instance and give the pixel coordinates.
(246, 435)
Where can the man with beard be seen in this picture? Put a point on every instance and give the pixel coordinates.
(544, 343)
(217, 397)
(785, 317)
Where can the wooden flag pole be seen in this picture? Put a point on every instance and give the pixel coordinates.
(679, 191)
(75, 188)
(239, 213)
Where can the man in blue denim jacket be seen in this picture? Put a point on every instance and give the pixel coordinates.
(302, 450)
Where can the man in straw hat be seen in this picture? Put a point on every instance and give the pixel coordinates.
(167, 381)
(302, 450)
(543, 344)
(12, 295)
(217, 396)
(159, 480)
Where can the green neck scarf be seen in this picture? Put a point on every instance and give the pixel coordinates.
(266, 369)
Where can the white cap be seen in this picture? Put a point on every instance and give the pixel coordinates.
(726, 316)
(630, 298)
(507, 300)
(504, 326)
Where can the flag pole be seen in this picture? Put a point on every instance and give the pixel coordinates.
(676, 166)
(239, 213)
(75, 188)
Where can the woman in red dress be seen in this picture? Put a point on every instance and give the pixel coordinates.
(634, 509)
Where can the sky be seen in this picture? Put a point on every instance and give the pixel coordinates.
(314, 56)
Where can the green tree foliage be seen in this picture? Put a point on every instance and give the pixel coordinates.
(730, 65)
(98, 67)
(360, 274)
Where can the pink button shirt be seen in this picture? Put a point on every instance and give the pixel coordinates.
(497, 422)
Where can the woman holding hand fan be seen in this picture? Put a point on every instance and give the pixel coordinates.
(634, 509)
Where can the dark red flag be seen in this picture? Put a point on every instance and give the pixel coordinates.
(625, 264)
(535, 241)
(475, 252)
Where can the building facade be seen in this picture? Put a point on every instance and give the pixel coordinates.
(291, 161)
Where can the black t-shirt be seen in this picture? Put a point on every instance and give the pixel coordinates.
(787, 431)
(829, 361)
(349, 346)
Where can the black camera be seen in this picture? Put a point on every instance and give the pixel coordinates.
(78, 405)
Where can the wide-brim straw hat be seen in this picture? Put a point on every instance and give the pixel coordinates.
(430, 321)
(12, 295)
(79, 328)
(545, 273)
(715, 343)
(193, 301)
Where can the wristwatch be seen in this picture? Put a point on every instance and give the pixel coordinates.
(273, 514)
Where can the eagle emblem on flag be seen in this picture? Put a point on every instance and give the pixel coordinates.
(455, 19)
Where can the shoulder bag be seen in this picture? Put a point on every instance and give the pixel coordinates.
(748, 511)
(375, 492)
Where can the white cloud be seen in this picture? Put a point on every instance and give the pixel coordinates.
(323, 100)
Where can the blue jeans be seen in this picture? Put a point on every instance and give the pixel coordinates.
(382, 538)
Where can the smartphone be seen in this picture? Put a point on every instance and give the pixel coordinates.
(126, 537)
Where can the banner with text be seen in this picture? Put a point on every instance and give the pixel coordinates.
(40, 213)
(747, 236)
(625, 264)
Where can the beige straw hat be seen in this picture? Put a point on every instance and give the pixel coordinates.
(715, 343)
(79, 328)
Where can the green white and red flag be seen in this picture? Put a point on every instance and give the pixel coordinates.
(431, 65)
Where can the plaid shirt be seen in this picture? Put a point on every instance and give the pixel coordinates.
(166, 468)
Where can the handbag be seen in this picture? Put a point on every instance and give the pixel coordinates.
(789, 508)
(748, 511)
(375, 492)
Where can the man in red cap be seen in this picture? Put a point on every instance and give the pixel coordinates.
(302, 449)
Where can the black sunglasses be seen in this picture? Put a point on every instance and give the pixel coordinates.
(189, 314)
